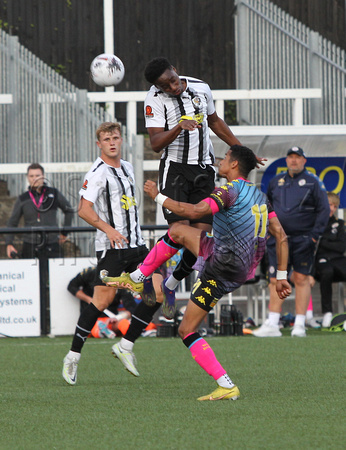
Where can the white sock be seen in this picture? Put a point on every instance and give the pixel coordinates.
(72, 355)
(309, 314)
(274, 318)
(300, 320)
(137, 276)
(225, 381)
(172, 283)
(126, 345)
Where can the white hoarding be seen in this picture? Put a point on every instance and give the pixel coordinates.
(20, 298)
(64, 307)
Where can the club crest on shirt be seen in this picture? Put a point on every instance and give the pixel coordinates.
(196, 101)
(149, 111)
(281, 182)
(301, 182)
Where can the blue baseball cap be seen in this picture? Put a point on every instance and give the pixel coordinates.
(297, 150)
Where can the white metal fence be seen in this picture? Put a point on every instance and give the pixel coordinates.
(43, 117)
(276, 51)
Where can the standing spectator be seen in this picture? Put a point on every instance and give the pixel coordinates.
(39, 206)
(179, 110)
(330, 259)
(108, 203)
(301, 204)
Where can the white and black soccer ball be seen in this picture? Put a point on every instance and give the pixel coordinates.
(107, 70)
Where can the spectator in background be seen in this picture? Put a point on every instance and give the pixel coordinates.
(39, 206)
(330, 259)
(301, 204)
(82, 287)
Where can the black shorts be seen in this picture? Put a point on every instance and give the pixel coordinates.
(301, 255)
(186, 183)
(208, 290)
(117, 261)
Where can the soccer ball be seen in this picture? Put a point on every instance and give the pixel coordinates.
(107, 70)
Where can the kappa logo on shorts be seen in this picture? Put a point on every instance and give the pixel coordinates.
(207, 290)
(201, 299)
(212, 282)
(85, 185)
(149, 111)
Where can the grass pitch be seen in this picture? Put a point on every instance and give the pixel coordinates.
(292, 395)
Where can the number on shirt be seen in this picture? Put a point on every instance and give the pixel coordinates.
(261, 217)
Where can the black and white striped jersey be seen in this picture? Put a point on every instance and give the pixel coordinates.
(164, 111)
(112, 191)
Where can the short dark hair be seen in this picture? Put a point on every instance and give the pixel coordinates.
(246, 159)
(155, 68)
(34, 166)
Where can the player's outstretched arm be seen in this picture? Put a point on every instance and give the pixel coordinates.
(188, 210)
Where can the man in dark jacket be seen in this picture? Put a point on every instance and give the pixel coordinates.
(39, 206)
(330, 259)
(300, 201)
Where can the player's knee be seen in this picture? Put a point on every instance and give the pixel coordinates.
(184, 330)
(181, 331)
(175, 232)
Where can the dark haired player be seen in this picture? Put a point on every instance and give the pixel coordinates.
(179, 110)
(242, 217)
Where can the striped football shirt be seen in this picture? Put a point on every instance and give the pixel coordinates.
(163, 110)
(112, 191)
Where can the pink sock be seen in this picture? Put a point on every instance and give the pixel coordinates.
(310, 307)
(204, 356)
(159, 254)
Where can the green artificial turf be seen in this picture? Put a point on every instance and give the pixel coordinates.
(292, 395)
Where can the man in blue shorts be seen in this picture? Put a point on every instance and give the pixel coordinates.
(301, 204)
(242, 216)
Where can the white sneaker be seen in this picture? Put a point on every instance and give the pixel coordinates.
(327, 318)
(128, 359)
(267, 330)
(69, 370)
(298, 331)
(312, 323)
